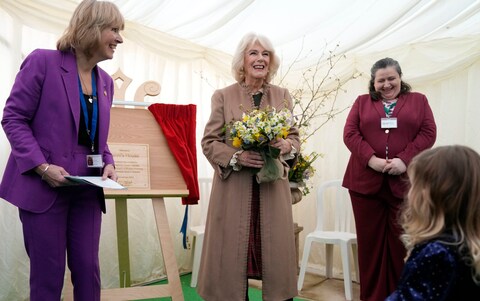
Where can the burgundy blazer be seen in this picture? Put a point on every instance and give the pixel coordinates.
(41, 121)
(364, 137)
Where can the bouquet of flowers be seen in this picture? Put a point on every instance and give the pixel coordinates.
(302, 170)
(255, 131)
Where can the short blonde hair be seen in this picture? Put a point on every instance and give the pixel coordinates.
(88, 20)
(239, 55)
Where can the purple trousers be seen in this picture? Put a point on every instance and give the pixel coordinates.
(69, 229)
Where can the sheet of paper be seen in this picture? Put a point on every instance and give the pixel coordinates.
(96, 181)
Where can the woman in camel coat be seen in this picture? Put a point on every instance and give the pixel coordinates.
(249, 231)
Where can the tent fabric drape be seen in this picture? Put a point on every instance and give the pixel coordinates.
(178, 123)
(436, 42)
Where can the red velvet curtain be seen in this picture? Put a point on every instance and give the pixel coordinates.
(178, 123)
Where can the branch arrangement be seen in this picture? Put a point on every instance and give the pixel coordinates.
(315, 104)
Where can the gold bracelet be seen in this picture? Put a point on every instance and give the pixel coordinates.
(45, 170)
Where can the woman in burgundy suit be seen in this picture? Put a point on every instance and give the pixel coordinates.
(384, 130)
(56, 120)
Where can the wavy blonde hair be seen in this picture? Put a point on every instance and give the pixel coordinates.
(85, 28)
(444, 197)
(239, 56)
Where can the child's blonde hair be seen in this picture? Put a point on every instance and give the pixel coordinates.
(444, 197)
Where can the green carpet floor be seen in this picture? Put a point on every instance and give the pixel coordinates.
(190, 293)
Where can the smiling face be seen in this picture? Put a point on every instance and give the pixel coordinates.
(256, 62)
(387, 82)
(109, 39)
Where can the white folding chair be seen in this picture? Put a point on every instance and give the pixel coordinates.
(333, 193)
(205, 185)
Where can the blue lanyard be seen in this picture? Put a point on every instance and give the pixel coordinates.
(91, 132)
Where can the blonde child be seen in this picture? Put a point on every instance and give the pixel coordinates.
(441, 222)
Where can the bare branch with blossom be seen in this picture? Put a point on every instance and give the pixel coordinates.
(315, 98)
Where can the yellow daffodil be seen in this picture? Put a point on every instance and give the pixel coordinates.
(237, 142)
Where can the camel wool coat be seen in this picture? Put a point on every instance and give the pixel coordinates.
(223, 267)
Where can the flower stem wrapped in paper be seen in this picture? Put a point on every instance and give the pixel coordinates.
(255, 131)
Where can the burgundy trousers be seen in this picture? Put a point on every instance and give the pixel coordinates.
(71, 226)
(381, 253)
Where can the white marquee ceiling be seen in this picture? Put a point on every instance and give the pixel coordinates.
(357, 26)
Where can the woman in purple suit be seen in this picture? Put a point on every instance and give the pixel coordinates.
(56, 120)
(384, 130)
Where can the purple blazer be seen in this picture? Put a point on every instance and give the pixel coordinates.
(41, 121)
(416, 131)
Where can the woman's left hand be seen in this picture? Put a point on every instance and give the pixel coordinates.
(283, 145)
(109, 172)
(395, 167)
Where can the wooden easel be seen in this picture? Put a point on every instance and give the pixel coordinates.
(138, 126)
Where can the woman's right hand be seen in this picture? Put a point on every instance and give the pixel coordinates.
(250, 159)
(54, 175)
(377, 164)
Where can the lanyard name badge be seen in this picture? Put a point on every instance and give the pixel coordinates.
(388, 122)
(93, 160)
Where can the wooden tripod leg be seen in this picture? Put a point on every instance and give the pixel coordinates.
(168, 252)
(122, 241)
